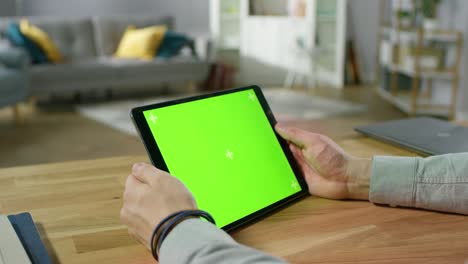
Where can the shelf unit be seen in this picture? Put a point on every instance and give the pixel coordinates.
(418, 98)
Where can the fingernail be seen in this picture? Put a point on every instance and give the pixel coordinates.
(279, 126)
(136, 167)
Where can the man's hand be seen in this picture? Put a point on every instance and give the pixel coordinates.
(328, 170)
(150, 195)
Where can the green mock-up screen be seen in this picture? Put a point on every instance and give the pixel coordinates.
(224, 150)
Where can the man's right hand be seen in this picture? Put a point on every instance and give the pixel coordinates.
(328, 170)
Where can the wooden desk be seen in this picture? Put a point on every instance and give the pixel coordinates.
(76, 205)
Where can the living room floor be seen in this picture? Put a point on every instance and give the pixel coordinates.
(54, 133)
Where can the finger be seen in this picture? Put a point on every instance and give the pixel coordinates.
(301, 160)
(309, 173)
(145, 173)
(133, 187)
(297, 153)
(131, 182)
(294, 135)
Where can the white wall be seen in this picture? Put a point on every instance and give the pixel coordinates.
(191, 16)
(7, 7)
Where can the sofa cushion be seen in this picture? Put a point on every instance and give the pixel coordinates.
(108, 72)
(109, 30)
(18, 39)
(180, 68)
(140, 43)
(74, 37)
(78, 71)
(173, 43)
(42, 39)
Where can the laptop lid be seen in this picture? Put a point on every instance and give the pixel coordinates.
(428, 136)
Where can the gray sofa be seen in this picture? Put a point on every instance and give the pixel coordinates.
(88, 44)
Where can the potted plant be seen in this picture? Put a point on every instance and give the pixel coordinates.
(429, 11)
(405, 17)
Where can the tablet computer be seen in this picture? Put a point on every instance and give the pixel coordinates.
(224, 148)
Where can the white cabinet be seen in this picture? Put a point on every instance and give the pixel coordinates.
(304, 37)
(225, 23)
(311, 44)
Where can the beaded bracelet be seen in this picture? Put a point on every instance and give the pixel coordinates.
(169, 222)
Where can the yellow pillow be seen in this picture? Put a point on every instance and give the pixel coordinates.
(140, 43)
(41, 38)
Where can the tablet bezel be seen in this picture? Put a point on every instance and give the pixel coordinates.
(157, 159)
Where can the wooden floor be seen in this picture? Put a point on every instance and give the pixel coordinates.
(54, 133)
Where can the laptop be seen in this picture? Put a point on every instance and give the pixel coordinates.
(427, 136)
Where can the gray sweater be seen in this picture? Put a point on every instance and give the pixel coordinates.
(436, 183)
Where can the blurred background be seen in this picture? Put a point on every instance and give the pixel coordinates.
(70, 71)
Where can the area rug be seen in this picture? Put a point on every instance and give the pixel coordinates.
(286, 105)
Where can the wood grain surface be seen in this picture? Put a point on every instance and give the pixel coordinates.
(76, 206)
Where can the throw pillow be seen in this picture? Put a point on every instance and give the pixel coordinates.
(172, 44)
(13, 33)
(42, 40)
(140, 43)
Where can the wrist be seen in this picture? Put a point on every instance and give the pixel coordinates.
(167, 228)
(163, 229)
(358, 178)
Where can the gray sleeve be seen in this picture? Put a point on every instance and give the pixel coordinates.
(436, 183)
(198, 242)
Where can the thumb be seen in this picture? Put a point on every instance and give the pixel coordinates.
(294, 135)
(144, 172)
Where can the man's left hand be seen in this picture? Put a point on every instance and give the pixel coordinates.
(151, 195)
